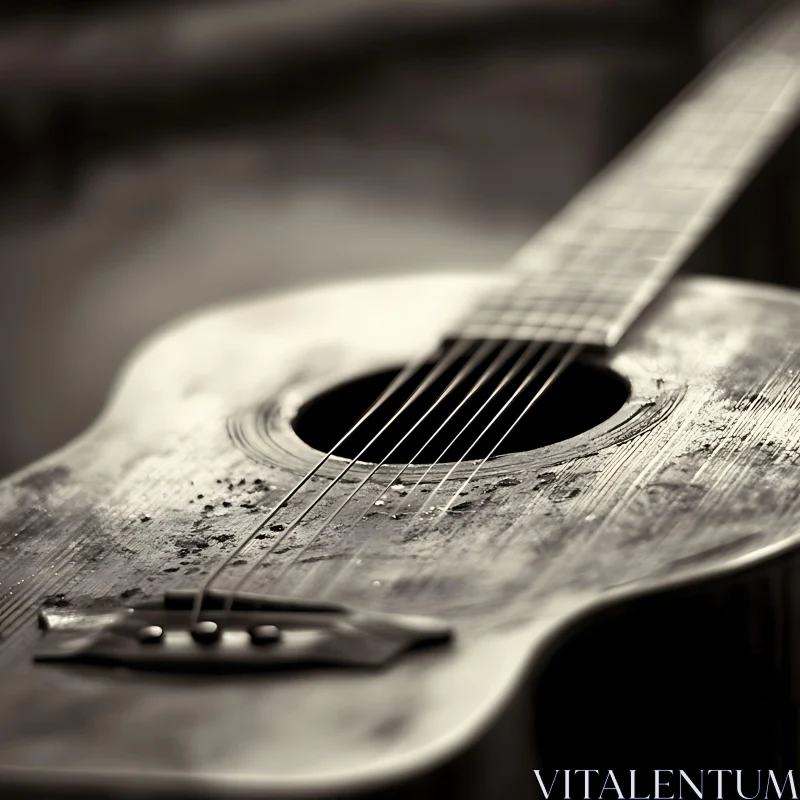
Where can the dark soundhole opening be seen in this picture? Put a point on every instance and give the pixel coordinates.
(585, 395)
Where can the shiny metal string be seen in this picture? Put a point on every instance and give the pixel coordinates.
(530, 351)
(507, 433)
(472, 364)
(499, 360)
(567, 357)
(587, 302)
(458, 350)
(549, 354)
(400, 380)
(573, 351)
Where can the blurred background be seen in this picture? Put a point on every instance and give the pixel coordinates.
(163, 155)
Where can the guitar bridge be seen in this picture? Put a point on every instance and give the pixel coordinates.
(247, 632)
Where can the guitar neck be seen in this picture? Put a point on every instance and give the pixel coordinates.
(592, 270)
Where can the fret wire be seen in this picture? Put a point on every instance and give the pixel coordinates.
(548, 297)
(572, 328)
(587, 325)
(548, 320)
(543, 305)
(533, 291)
(585, 269)
(562, 300)
(509, 315)
(562, 259)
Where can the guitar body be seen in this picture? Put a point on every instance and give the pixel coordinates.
(612, 565)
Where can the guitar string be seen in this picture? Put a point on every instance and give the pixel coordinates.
(408, 372)
(567, 358)
(580, 307)
(460, 433)
(594, 304)
(546, 358)
(549, 354)
(252, 535)
(281, 505)
(530, 351)
(477, 358)
(717, 187)
(574, 313)
(458, 350)
(572, 352)
(503, 356)
(497, 361)
(500, 360)
(588, 302)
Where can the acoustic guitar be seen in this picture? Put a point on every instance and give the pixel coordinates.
(422, 536)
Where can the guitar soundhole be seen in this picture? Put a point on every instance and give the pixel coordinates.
(584, 396)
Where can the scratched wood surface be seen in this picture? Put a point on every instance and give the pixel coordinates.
(697, 473)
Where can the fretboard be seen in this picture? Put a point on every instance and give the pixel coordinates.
(594, 268)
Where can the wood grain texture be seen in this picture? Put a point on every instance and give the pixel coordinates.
(697, 473)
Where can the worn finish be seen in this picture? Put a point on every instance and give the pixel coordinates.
(158, 491)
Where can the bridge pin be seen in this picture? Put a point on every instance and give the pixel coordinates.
(264, 634)
(151, 634)
(205, 632)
